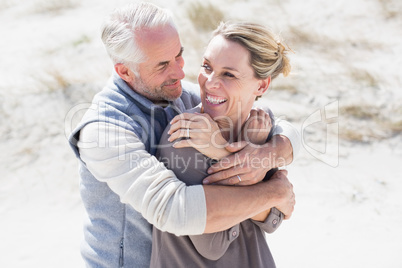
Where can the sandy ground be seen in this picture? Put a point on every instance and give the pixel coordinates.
(344, 95)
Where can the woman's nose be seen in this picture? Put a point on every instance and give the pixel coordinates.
(212, 81)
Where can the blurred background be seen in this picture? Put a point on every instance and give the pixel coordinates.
(344, 96)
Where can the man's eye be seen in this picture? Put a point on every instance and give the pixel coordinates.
(163, 66)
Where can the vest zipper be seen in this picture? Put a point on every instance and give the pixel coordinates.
(121, 259)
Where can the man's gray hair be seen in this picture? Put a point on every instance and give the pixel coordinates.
(120, 28)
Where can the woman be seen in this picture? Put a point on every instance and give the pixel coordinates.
(238, 65)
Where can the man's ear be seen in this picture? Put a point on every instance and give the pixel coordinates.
(124, 72)
(264, 85)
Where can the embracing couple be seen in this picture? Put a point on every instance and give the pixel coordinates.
(143, 208)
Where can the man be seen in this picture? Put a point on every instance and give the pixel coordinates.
(123, 186)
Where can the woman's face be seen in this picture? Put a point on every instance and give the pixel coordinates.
(227, 82)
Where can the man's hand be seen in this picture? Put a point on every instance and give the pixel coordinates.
(257, 127)
(284, 192)
(251, 162)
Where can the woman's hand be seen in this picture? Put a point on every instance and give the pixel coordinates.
(250, 160)
(199, 131)
(257, 127)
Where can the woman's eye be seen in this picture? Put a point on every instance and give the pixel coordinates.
(206, 67)
(229, 75)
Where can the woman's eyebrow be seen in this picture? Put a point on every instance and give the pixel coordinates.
(231, 69)
(226, 68)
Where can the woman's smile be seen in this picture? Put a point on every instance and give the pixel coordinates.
(215, 100)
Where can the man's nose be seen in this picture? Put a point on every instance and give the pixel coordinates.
(177, 71)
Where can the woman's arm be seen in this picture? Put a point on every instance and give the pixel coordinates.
(271, 222)
(212, 246)
(192, 170)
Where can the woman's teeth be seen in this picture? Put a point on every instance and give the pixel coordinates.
(215, 100)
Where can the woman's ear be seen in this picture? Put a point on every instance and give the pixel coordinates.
(124, 72)
(264, 85)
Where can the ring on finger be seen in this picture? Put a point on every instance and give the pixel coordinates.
(188, 133)
(238, 178)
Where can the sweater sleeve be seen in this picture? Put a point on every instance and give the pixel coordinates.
(283, 127)
(272, 222)
(118, 157)
(213, 246)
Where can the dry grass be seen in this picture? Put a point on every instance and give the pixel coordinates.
(362, 133)
(360, 111)
(323, 45)
(205, 17)
(366, 123)
(394, 126)
(392, 122)
(52, 80)
(363, 77)
(390, 8)
(54, 6)
(360, 123)
(286, 87)
(298, 36)
(351, 135)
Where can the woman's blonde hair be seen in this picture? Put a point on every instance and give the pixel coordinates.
(267, 53)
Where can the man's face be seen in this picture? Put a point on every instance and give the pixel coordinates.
(161, 73)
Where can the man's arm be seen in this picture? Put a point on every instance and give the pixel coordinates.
(253, 161)
(118, 157)
(248, 160)
(226, 205)
(143, 182)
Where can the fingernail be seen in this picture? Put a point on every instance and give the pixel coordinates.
(209, 171)
(205, 181)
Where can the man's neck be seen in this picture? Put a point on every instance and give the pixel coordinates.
(162, 103)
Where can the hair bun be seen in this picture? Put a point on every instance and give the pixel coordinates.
(281, 48)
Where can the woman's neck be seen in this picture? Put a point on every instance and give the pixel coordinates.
(230, 129)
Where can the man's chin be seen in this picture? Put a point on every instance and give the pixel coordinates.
(176, 95)
(172, 94)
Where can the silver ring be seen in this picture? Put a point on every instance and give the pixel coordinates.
(238, 178)
(188, 133)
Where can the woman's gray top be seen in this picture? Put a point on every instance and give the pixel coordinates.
(243, 245)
